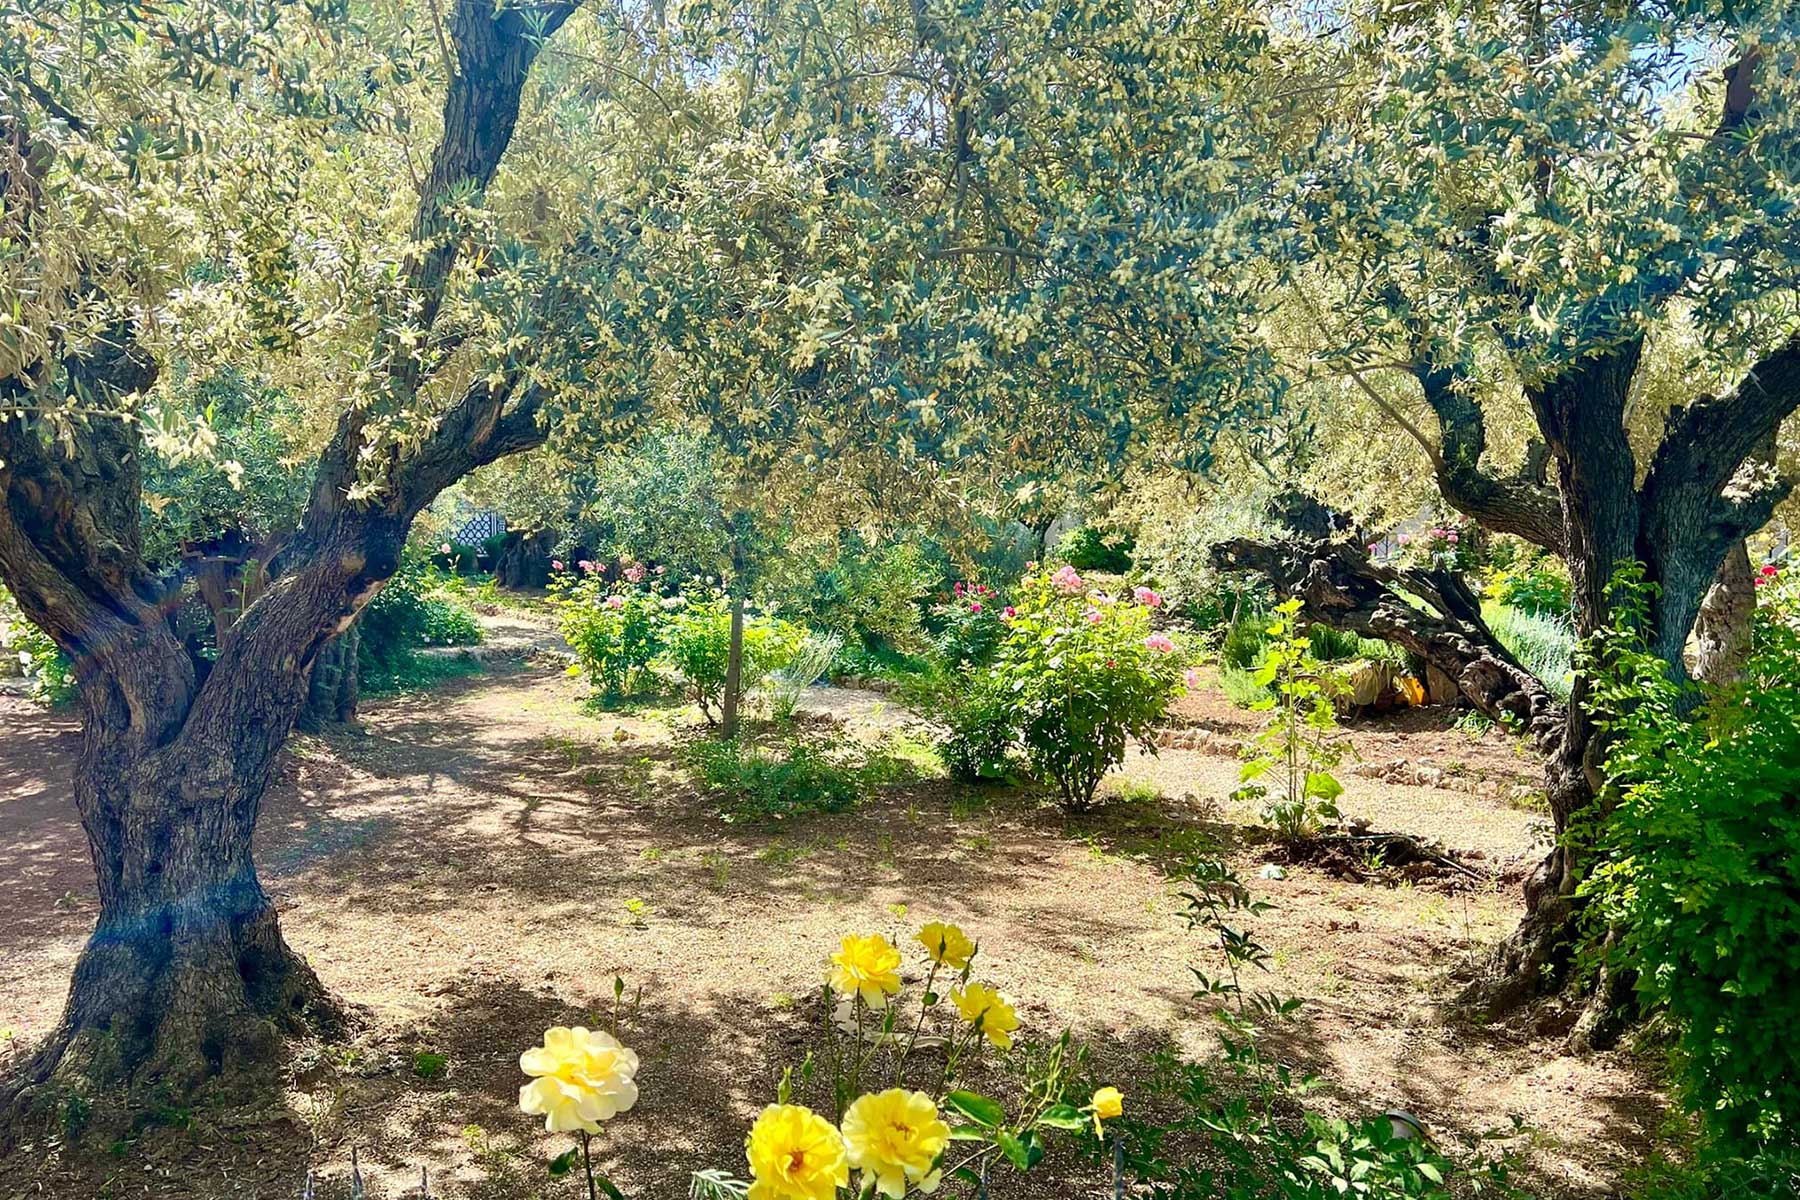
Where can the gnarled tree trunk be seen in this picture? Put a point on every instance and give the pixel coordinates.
(186, 976)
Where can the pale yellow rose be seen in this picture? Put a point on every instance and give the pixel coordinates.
(795, 1154)
(983, 1006)
(947, 945)
(868, 967)
(895, 1138)
(584, 1077)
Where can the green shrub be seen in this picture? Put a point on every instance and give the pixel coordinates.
(697, 637)
(410, 613)
(756, 783)
(616, 634)
(1769, 1175)
(1540, 590)
(873, 597)
(455, 558)
(1089, 548)
(1241, 687)
(1245, 640)
(979, 742)
(1082, 675)
(1698, 868)
(50, 672)
(968, 627)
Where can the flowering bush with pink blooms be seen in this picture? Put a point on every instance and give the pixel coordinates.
(616, 633)
(970, 624)
(1078, 675)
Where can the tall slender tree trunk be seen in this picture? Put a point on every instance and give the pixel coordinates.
(734, 660)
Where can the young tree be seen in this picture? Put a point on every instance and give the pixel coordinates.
(1520, 205)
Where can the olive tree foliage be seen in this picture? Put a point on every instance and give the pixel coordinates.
(1512, 214)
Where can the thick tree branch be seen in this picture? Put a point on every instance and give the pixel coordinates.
(495, 51)
(1706, 442)
(1342, 588)
(1522, 504)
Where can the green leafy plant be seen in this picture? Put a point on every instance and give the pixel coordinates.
(1544, 643)
(1301, 745)
(774, 784)
(616, 633)
(968, 625)
(411, 613)
(811, 659)
(1090, 548)
(51, 674)
(871, 596)
(1696, 872)
(980, 733)
(428, 1064)
(1082, 674)
(697, 637)
(1540, 589)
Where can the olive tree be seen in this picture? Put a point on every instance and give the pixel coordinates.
(1515, 212)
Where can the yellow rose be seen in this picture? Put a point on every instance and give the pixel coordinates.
(896, 1137)
(983, 1006)
(1107, 1103)
(867, 966)
(795, 1154)
(947, 945)
(583, 1078)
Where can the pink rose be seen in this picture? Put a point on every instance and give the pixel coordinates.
(444, 549)
(556, 564)
(615, 601)
(1404, 539)
(1067, 580)
(1148, 598)
(1373, 547)
(1191, 677)
(635, 574)
(959, 587)
(1092, 614)
(1451, 537)
(1008, 613)
(1770, 570)
(1159, 643)
(976, 607)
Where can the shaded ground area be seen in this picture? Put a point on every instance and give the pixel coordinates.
(481, 862)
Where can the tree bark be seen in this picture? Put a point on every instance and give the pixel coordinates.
(524, 562)
(1722, 630)
(334, 686)
(734, 669)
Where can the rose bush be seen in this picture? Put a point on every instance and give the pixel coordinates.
(1079, 674)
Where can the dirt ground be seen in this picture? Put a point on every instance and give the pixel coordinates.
(478, 863)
